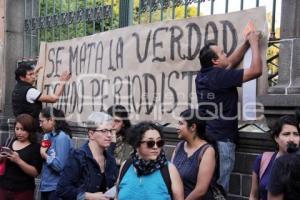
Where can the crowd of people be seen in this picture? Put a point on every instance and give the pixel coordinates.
(124, 161)
(90, 171)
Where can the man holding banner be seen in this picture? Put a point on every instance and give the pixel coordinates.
(216, 88)
(26, 98)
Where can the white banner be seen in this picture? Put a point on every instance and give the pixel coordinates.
(150, 69)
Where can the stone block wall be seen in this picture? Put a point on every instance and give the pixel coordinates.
(248, 147)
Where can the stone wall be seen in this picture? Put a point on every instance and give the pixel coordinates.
(248, 147)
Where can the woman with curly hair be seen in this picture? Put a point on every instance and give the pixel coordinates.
(147, 174)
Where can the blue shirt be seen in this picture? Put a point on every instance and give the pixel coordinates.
(58, 154)
(217, 96)
(264, 181)
(82, 174)
(150, 187)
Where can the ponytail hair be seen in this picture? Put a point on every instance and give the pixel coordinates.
(194, 116)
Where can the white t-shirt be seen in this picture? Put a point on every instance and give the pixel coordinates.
(32, 95)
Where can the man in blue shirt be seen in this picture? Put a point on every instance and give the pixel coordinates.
(217, 95)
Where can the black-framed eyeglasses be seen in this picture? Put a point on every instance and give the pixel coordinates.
(151, 143)
(105, 131)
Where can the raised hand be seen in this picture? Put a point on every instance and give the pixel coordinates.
(248, 29)
(254, 37)
(65, 76)
(37, 70)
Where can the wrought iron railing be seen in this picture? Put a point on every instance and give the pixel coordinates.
(273, 61)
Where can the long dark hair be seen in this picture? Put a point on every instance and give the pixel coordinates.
(120, 111)
(60, 122)
(294, 175)
(28, 124)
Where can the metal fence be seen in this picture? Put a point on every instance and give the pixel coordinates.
(55, 20)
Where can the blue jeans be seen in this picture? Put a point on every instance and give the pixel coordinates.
(227, 158)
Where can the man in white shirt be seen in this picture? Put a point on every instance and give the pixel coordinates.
(26, 98)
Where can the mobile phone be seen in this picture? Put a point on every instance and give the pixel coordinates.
(6, 150)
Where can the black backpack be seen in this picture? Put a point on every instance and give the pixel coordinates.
(164, 172)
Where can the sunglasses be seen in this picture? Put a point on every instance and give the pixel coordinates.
(151, 143)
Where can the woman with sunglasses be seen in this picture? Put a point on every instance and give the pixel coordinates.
(143, 179)
(284, 132)
(55, 149)
(23, 161)
(91, 170)
(195, 157)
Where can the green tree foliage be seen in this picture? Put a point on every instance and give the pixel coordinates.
(76, 29)
(273, 51)
(83, 28)
(160, 14)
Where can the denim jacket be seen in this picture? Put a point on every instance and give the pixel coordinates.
(82, 174)
(57, 156)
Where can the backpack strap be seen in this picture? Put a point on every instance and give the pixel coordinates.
(202, 151)
(265, 160)
(124, 169)
(165, 173)
(218, 186)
